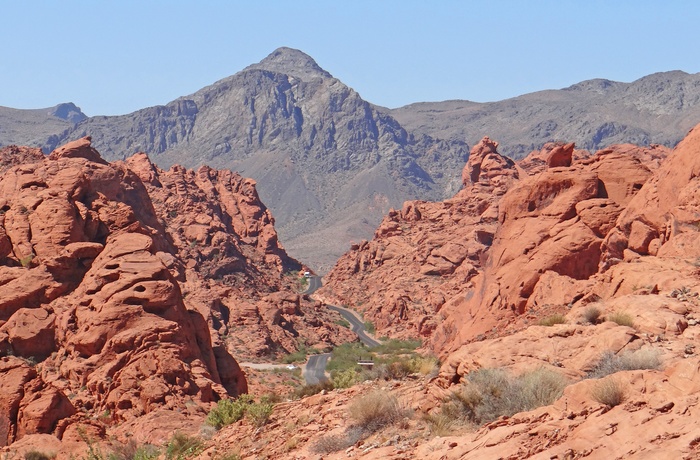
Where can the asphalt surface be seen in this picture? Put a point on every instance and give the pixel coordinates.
(315, 369)
(356, 325)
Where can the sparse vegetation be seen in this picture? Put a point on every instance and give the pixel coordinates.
(621, 318)
(552, 320)
(182, 446)
(369, 413)
(376, 410)
(36, 455)
(130, 450)
(342, 322)
(259, 413)
(592, 314)
(611, 363)
(228, 411)
(309, 390)
(369, 325)
(492, 393)
(609, 391)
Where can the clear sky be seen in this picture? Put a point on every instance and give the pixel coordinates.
(115, 57)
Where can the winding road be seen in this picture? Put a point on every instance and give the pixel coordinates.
(314, 371)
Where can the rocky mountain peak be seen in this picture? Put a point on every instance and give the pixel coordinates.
(69, 112)
(292, 62)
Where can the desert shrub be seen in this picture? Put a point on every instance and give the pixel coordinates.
(592, 314)
(346, 378)
(621, 318)
(426, 365)
(336, 442)
(345, 356)
(259, 413)
(369, 326)
(182, 446)
(228, 411)
(610, 363)
(440, 424)
(552, 320)
(608, 391)
(130, 450)
(376, 410)
(312, 389)
(36, 455)
(396, 346)
(331, 443)
(492, 393)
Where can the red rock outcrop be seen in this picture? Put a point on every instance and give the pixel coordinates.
(127, 285)
(426, 253)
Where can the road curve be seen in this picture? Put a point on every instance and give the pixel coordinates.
(356, 324)
(315, 369)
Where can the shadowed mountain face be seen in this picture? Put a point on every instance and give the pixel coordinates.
(658, 108)
(329, 164)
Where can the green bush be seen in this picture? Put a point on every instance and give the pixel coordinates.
(259, 413)
(228, 411)
(312, 389)
(346, 378)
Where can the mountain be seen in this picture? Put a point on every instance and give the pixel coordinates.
(659, 108)
(37, 127)
(328, 163)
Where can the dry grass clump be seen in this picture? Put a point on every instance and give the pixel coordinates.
(369, 413)
(609, 391)
(621, 318)
(551, 320)
(36, 455)
(376, 410)
(492, 393)
(592, 314)
(312, 389)
(610, 363)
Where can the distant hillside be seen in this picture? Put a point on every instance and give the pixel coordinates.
(329, 164)
(658, 108)
(37, 127)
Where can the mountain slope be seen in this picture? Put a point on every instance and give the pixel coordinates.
(659, 108)
(328, 162)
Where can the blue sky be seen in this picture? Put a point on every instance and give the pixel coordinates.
(114, 57)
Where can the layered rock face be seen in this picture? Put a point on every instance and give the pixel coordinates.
(121, 293)
(514, 236)
(609, 243)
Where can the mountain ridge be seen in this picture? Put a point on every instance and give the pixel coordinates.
(331, 164)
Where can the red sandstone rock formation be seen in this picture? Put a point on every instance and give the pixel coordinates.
(127, 284)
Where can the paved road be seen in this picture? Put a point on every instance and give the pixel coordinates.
(315, 369)
(356, 325)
